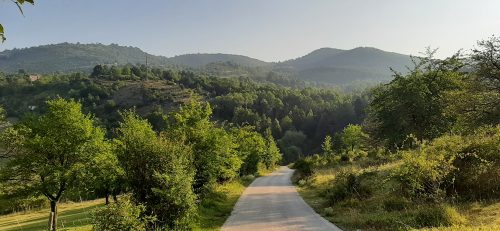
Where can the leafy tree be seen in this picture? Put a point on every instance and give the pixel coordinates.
(327, 146)
(414, 103)
(215, 158)
(251, 149)
(158, 173)
(272, 156)
(353, 137)
(477, 103)
(105, 174)
(51, 151)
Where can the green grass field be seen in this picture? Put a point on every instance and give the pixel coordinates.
(72, 216)
(213, 211)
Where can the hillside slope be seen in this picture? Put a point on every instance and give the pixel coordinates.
(325, 65)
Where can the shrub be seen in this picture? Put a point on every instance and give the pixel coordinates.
(304, 167)
(477, 174)
(463, 166)
(347, 184)
(440, 215)
(123, 215)
(425, 171)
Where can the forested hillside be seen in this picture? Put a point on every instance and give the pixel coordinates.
(326, 65)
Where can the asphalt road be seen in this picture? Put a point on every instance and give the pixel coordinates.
(272, 203)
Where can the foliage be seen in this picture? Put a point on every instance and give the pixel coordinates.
(347, 185)
(123, 215)
(414, 103)
(51, 151)
(327, 146)
(18, 3)
(476, 104)
(454, 165)
(158, 173)
(214, 155)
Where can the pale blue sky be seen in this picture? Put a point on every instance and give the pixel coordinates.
(270, 30)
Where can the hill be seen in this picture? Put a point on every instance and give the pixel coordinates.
(342, 66)
(325, 65)
(67, 57)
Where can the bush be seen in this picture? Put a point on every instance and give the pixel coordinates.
(425, 171)
(123, 215)
(346, 185)
(304, 167)
(441, 215)
(477, 174)
(463, 166)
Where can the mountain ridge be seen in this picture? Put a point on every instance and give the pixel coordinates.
(327, 65)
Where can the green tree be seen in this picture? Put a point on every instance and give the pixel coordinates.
(215, 158)
(251, 149)
(353, 137)
(158, 173)
(51, 151)
(327, 146)
(414, 103)
(104, 173)
(477, 103)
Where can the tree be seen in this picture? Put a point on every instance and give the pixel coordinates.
(104, 173)
(477, 103)
(214, 155)
(327, 146)
(415, 103)
(51, 151)
(353, 136)
(251, 149)
(158, 172)
(19, 3)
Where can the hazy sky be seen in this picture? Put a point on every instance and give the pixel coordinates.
(270, 30)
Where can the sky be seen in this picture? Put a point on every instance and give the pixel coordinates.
(270, 30)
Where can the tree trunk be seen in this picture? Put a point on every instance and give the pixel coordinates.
(115, 198)
(107, 198)
(53, 216)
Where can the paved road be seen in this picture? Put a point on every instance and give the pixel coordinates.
(272, 203)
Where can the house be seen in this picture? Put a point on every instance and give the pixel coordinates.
(34, 78)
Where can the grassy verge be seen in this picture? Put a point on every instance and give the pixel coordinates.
(381, 207)
(217, 207)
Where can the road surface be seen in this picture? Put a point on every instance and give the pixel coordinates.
(272, 203)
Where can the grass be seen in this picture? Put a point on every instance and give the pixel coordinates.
(213, 212)
(217, 206)
(384, 209)
(72, 216)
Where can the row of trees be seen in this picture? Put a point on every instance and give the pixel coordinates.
(63, 152)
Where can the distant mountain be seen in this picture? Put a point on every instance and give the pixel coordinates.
(67, 57)
(325, 65)
(342, 66)
(201, 60)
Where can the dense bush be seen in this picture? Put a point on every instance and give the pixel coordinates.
(123, 215)
(347, 184)
(465, 166)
